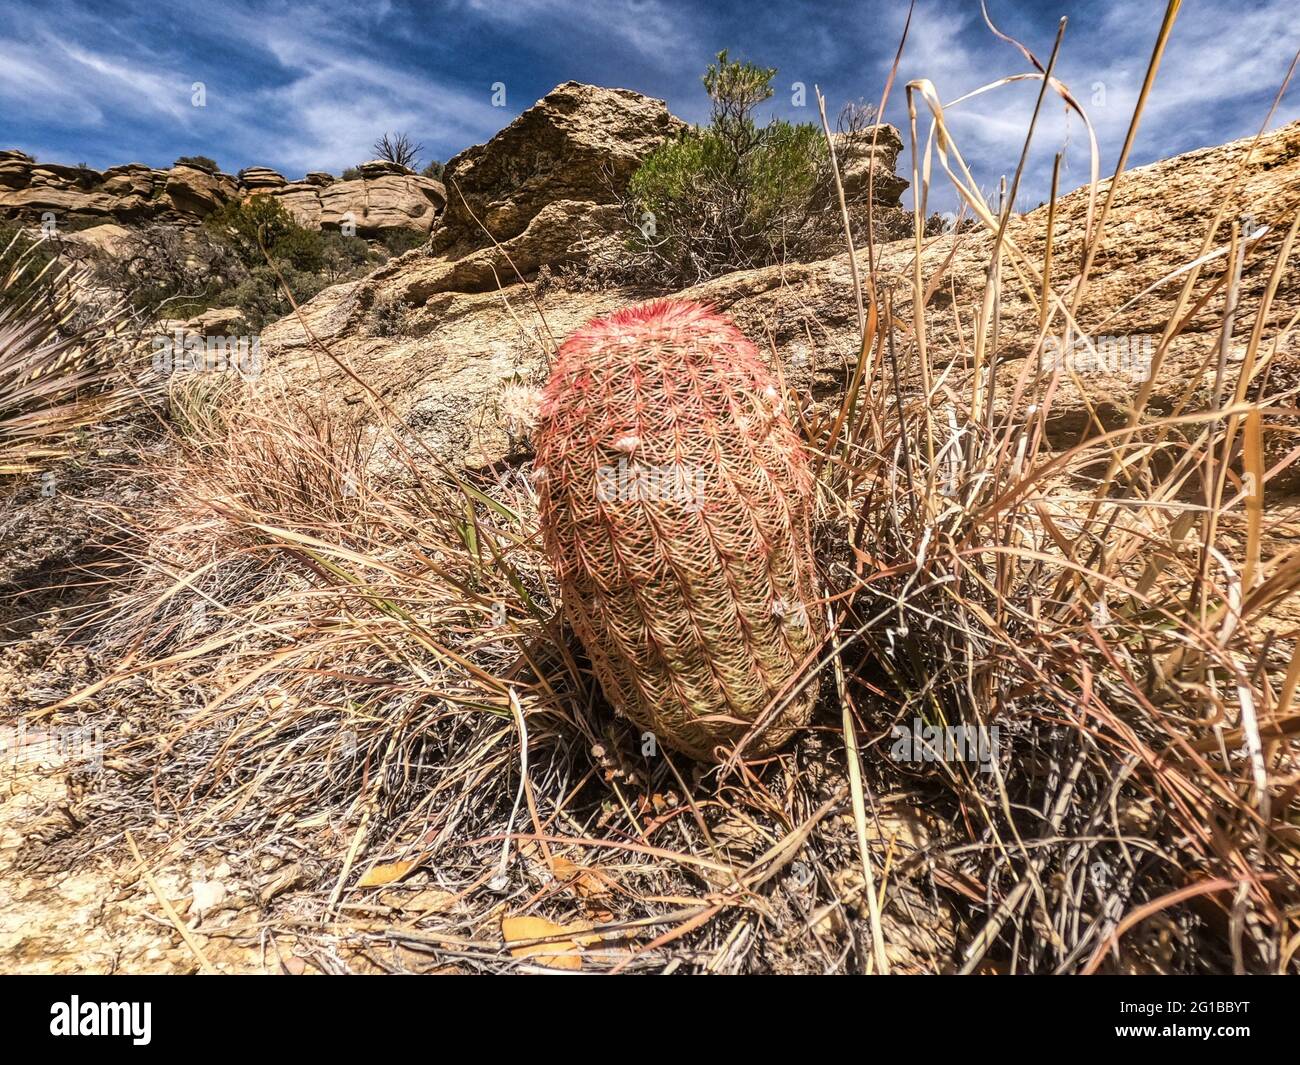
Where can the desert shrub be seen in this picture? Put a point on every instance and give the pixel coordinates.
(179, 272)
(307, 260)
(391, 316)
(199, 162)
(400, 241)
(261, 297)
(352, 173)
(248, 226)
(347, 257)
(734, 195)
(434, 170)
(56, 365)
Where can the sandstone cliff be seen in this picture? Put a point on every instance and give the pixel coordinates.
(385, 197)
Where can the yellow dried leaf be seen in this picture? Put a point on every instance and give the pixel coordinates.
(380, 875)
(559, 954)
(586, 882)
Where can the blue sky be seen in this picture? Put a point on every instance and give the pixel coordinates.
(308, 85)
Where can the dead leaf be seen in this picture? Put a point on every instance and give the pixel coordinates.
(586, 882)
(559, 954)
(380, 875)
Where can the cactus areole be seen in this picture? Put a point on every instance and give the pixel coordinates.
(676, 507)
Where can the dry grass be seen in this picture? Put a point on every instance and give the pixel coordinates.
(56, 368)
(368, 681)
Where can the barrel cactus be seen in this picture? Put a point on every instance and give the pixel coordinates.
(676, 507)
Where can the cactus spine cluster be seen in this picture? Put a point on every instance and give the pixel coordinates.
(676, 507)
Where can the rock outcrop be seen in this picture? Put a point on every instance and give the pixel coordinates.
(375, 204)
(541, 190)
(384, 198)
(446, 373)
(867, 163)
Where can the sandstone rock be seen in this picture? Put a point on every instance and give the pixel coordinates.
(190, 190)
(445, 378)
(858, 159)
(133, 179)
(219, 321)
(395, 201)
(578, 143)
(74, 194)
(256, 178)
(107, 239)
(377, 168)
(302, 200)
(562, 232)
(52, 173)
(184, 195)
(14, 173)
(66, 203)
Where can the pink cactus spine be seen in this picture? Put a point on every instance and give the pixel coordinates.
(676, 507)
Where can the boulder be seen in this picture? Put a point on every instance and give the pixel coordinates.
(192, 191)
(859, 159)
(319, 177)
(132, 179)
(394, 201)
(562, 232)
(377, 168)
(257, 178)
(579, 143)
(218, 322)
(107, 239)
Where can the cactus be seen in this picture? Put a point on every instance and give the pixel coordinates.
(676, 507)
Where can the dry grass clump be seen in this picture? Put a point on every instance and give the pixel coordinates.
(56, 367)
(1085, 608)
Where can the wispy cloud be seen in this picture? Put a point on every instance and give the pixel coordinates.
(310, 85)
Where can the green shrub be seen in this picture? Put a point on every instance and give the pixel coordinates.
(181, 273)
(733, 194)
(400, 241)
(434, 170)
(261, 297)
(199, 162)
(261, 221)
(352, 173)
